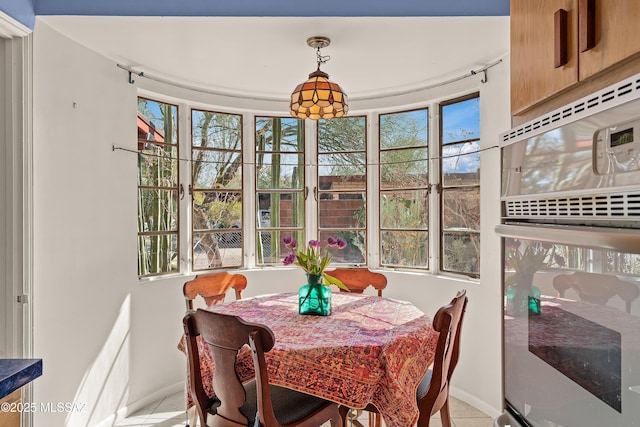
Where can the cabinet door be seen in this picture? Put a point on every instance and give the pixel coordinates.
(534, 76)
(617, 35)
(12, 417)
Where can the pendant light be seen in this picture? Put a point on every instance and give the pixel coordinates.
(318, 97)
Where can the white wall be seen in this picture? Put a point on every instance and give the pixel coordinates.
(105, 340)
(110, 342)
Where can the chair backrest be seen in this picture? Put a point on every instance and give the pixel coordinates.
(448, 322)
(213, 287)
(226, 335)
(358, 279)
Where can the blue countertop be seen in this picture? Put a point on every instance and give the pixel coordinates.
(14, 373)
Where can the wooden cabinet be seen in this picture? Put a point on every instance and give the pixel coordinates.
(616, 36)
(533, 75)
(537, 30)
(10, 416)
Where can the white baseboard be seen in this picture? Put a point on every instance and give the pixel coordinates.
(475, 402)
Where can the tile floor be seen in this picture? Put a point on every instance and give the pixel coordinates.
(169, 412)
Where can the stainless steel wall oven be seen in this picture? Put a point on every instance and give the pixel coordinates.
(571, 254)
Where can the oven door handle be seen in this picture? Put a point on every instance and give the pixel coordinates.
(623, 240)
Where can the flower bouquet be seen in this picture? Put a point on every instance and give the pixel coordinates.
(315, 296)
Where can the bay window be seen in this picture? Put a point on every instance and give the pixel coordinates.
(417, 177)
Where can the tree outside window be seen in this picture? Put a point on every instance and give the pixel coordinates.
(218, 237)
(216, 190)
(460, 181)
(404, 189)
(158, 201)
(342, 186)
(280, 186)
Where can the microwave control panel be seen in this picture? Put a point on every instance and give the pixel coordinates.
(616, 149)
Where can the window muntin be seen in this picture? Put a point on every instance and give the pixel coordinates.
(342, 186)
(404, 189)
(216, 190)
(158, 201)
(460, 181)
(280, 186)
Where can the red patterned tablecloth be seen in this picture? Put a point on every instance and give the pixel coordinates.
(369, 350)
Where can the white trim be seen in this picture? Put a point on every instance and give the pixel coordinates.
(26, 104)
(16, 109)
(475, 402)
(10, 28)
(6, 290)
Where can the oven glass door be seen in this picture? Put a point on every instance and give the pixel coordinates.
(571, 325)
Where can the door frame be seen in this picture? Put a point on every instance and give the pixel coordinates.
(16, 284)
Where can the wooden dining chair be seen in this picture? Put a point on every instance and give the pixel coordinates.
(213, 287)
(256, 400)
(433, 391)
(357, 279)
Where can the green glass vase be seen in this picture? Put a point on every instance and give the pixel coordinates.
(314, 298)
(523, 300)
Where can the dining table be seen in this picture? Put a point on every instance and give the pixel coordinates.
(369, 350)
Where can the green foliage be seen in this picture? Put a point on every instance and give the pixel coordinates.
(461, 252)
(226, 214)
(406, 129)
(157, 208)
(400, 212)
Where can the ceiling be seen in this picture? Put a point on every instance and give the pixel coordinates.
(267, 56)
(271, 7)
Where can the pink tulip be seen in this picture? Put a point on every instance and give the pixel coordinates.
(289, 259)
(289, 242)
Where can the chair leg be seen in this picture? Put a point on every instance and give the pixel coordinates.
(345, 415)
(445, 416)
(375, 420)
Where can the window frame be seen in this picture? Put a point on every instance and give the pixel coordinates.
(192, 190)
(298, 232)
(426, 188)
(322, 232)
(310, 225)
(178, 190)
(441, 186)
